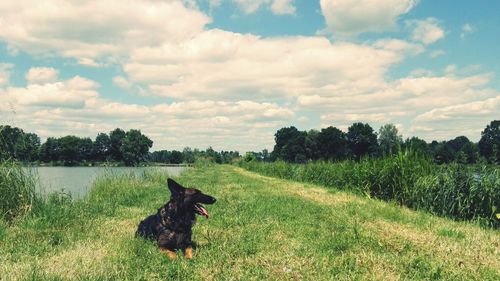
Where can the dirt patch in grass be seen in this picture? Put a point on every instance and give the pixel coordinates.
(306, 191)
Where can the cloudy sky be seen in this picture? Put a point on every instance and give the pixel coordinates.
(229, 73)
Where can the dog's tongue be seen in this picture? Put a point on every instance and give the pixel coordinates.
(201, 210)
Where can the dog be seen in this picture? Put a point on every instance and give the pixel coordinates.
(171, 226)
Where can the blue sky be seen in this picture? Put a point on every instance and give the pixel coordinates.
(229, 73)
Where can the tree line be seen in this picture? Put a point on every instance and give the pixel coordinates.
(129, 147)
(189, 156)
(360, 140)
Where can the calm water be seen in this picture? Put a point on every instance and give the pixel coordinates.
(78, 180)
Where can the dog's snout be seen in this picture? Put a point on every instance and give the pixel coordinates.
(206, 199)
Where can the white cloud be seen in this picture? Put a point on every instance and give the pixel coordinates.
(250, 6)
(5, 69)
(437, 53)
(348, 17)
(121, 82)
(74, 29)
(40, 75)
(278, 7)
(404, 99)
(426, 31)
(75, 106)
(441, 123)
(466, 29)
(220, 64)
(283, 7)
(73, 93)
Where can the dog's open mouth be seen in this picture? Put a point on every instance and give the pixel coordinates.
(200, 210)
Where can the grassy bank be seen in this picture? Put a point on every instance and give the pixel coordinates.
(463, 192)
(261, 229)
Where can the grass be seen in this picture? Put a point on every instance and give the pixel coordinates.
(463, 192)
(17, 191)
(261, 228)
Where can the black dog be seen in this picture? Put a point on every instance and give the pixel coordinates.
(171, 225)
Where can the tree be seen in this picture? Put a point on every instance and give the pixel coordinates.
(49, 150)
(417, 145)
(489, 144)
(249, 157)
(464, 151)
(290, 145)
(361, 140)
(188, 155)
(69, 150)
(213, 155)
(388, 139)
(176, 157)
(311, 145)
(116, 138)
(442, 152)
(102, 146)
(134, 147)
(11, 142)
(85, 149)
(332, 144)
(31, 145)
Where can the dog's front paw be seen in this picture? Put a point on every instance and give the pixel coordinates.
(188, 253)
(170, 254)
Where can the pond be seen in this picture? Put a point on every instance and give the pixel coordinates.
(78, 180)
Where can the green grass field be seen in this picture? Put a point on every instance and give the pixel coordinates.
(261, 229)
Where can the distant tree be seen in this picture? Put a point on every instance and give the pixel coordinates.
(213, 155)
(116, 138)
(31, 147)
(161, 156)
(489, 144)
(85, 149)
(176, 157)
(249, 157)
(464, 151)
(188, 155)
(266, 156)
(50, 150)
(362, 140)
(102, 146)
(11, 142)
(332, 144)
(290, 145)
(312, 145)
(442, 152)
(134, 147)
(417, 145)
(229, 156)
(70, 150)
(389, 139)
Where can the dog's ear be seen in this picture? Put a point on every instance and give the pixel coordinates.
(176, 189)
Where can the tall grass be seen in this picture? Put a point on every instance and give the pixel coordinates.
(456, 191)
(17, 191)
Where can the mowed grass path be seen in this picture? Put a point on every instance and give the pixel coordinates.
(261, 228)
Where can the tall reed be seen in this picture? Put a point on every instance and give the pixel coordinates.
(456, 191)
(17, 191)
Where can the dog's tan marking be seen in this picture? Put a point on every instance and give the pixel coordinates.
(170, 254)
(188, 253)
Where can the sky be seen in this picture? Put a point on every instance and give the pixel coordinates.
(230, 73)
